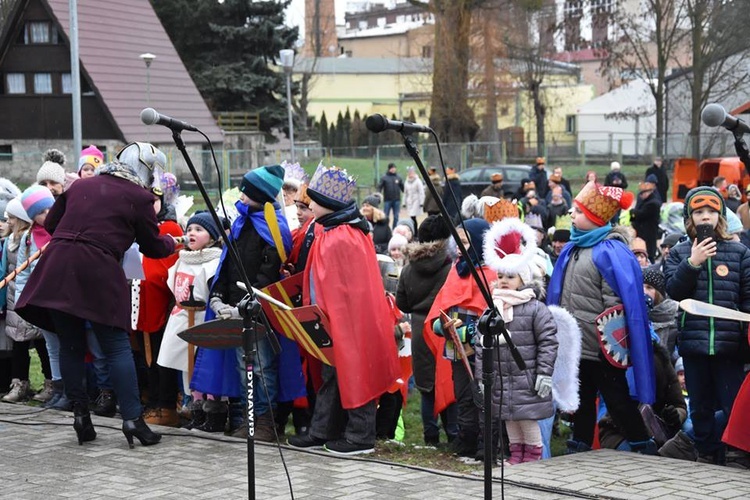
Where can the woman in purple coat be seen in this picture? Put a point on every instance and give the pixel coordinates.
(79, 278)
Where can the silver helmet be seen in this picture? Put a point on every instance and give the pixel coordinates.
(146, 160)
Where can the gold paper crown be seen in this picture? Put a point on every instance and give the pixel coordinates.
(500, 210)
(333, 183)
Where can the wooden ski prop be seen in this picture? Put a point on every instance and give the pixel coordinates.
(192, 306)
(12, 275)
(699, 308)
(449, 327)
(215, 334)
(306, 325)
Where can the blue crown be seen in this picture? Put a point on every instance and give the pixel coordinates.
(293, 171)
(333, 183)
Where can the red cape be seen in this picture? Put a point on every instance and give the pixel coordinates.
(456, 292)
(349, 290)
(155, 293)
(737, 432)
(298, 238)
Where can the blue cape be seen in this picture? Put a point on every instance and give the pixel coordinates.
(620, 270)
(216, 371)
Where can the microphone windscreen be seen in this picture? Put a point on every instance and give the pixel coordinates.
(376, 123)
(149, 116)
(713, 115)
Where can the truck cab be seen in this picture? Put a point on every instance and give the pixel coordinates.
(689, 173)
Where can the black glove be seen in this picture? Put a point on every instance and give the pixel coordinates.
(671, 417)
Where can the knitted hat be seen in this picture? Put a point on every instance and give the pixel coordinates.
(561, 235)
(204, 219)
(496, 177)
(540, 160)
(263, 183)
(671, 240)
(433, 228)
(51, 171)
(397, 241)
(408, 223)
(703, 196)
(615, 165)
(654, 277)
(331, 188)
(734, 224)
(679, 365)
(302, 196)
(36, 199)
(600, 203)
(510, 247)
(372, 199)
(8, 191)
(15, 208)
(92, 156)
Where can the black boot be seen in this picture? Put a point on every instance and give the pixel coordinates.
(216, 416)
(82, 424)
(198, 416)
(105, 404)
(138, 428)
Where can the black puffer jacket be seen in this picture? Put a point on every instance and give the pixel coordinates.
(418, 285)
(727, 285)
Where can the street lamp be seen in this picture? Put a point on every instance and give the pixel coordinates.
(148, 58)
(287, 62)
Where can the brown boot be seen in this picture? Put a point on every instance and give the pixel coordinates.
(265, 428)
(163, 416)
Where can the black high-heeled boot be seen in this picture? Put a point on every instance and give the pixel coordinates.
(82, 424)
(141, 430)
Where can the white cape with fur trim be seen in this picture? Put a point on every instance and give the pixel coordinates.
(565, 374)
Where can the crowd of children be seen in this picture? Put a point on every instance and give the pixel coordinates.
(599, 330)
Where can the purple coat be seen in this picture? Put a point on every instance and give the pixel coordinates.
(92, 225)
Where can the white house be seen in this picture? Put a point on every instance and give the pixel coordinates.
(620, 122)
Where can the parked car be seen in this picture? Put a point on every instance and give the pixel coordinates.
(475, 179)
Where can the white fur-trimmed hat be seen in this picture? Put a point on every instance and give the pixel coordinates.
(509, 248)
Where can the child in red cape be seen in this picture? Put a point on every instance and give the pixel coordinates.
(342, 255)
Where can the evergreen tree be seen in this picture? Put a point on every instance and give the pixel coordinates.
(323, 129)
(228, 47)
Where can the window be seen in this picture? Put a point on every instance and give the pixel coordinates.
(6, 152)
(573, 13)
(39, 32)
(570, 124)
(67, 83)
(15, 83)
(427, 51)
(42, 83)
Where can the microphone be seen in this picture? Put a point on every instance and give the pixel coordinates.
(714, 115)
(377, 123)
(180, 240)
(150, 116)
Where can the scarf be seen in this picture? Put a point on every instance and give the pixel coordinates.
(506, 299)
(117, 169)
(40, 235)
(347, 215)
(587, 239)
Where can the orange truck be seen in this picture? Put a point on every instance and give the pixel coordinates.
(689, 173)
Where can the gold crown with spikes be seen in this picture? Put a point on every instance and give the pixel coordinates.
(500, 210)
(334, 183)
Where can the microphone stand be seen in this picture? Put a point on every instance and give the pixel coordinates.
(490, 324)
(254, 323)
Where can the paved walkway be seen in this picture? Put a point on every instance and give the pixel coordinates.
(40, 459)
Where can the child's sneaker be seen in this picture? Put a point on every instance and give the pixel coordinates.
(345, 447)
(305, 441)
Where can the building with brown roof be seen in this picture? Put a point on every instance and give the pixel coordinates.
(35, 81)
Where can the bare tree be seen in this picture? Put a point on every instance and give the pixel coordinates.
(648, 43)
(451, 116)
(714, 26)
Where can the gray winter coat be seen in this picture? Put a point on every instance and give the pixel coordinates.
(586, 294)
(15, 327)
(664, 320)
(533, 331)
(418, 285)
